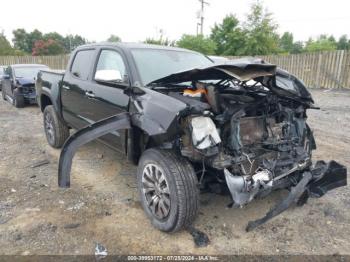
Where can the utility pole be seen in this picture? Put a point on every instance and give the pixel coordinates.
(202, 16)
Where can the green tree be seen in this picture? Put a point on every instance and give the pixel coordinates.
(114, 38)
(160, 41)
(197, 43)
(32, 38)
(5, 46)
(343, 43)
(228, 37)
(53, 36)
(323, 43)
(73, 41)
(261, 35)
(286, 43)
(298, 47)
(20, 40)
(25, 41)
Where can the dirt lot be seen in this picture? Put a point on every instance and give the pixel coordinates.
(36, 217)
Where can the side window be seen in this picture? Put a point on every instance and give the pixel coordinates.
(110, 67)
(81, 64)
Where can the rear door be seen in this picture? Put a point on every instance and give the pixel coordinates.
(105, 97)
(75, 103)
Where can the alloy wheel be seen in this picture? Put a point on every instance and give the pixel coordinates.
(156, 190)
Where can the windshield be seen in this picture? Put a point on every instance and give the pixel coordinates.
(154, 64)
(27, 72)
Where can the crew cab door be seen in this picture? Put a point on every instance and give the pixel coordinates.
(73, 99)
(105, 93)
(85, 100)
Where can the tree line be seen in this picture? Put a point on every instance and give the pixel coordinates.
(256, 35)
(36, 43)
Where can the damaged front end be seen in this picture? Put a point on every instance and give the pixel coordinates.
(244, 127)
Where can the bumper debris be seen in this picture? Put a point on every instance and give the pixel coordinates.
(316, 183)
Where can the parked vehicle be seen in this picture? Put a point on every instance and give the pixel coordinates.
(190, 125)
(18, 84)
(2, 72)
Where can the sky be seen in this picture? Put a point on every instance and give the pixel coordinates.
(135, 20)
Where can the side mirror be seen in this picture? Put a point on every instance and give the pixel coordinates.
(108, 75)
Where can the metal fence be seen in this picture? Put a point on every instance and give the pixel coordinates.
(323, 70)
(54, 62)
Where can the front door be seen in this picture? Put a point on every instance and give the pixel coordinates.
(105, 93)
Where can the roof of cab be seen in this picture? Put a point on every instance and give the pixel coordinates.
(136, 46)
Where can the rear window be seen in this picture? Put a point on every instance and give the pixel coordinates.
(82, 64)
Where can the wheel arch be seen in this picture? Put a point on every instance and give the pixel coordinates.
(45, 101)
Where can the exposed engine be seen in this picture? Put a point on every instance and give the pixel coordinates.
(256, 139)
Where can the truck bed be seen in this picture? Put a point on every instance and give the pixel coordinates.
(47, 83)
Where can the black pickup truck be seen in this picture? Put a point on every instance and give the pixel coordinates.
(236, 128)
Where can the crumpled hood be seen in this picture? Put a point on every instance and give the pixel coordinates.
(25, 81)
(243, 69)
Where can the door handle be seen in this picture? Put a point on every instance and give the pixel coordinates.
(90, 94)
(66, 87)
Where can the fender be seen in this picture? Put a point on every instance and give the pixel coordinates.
(83, 136)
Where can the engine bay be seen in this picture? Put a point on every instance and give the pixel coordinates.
(250, 137)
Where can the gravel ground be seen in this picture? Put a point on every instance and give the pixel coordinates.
(102, 206)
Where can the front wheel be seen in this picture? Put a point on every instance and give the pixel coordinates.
(168, 189)
(18, 99)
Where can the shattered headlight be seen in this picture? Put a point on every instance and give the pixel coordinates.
(204, 133)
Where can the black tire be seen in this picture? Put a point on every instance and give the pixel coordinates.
(56, 130)
(182, 184)
(18, 100)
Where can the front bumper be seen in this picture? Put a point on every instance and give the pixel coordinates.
(314, 183)
(30, 98)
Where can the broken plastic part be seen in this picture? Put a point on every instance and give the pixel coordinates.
(294, 194)
(322, 178)
(83, 136)
(244, 188)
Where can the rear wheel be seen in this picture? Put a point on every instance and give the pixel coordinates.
(56, 130)
(18, 100)
(168, 188)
